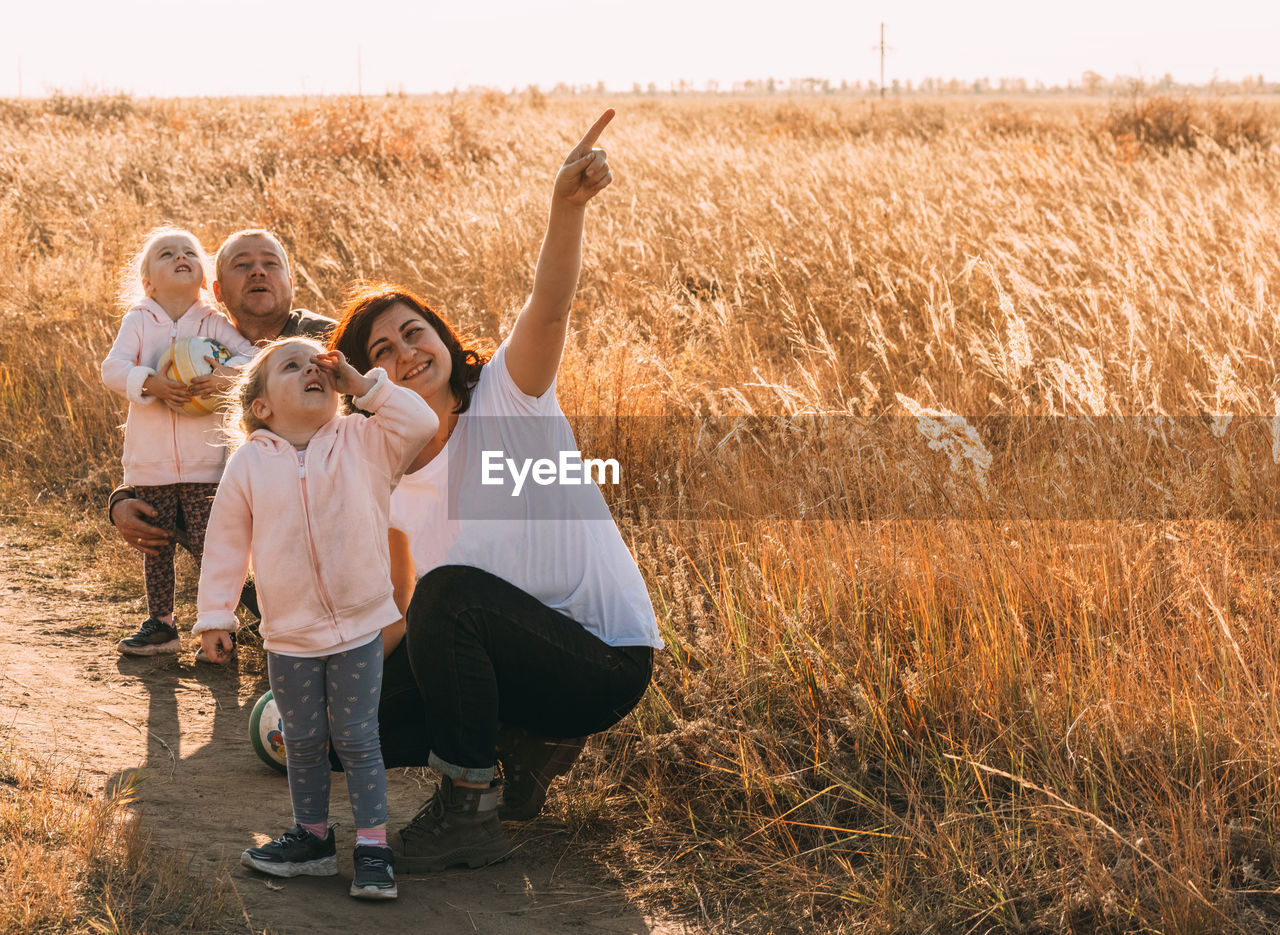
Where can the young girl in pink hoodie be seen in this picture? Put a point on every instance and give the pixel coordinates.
(172, 458)
(306, 498)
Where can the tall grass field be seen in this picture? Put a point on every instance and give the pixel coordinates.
(949, 438)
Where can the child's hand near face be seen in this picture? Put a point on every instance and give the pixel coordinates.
(170, 392)
(346, 379)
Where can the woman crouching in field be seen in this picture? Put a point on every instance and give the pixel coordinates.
(530, 626)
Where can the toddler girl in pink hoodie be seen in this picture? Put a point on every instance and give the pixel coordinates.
(305, 497)
(172, 458)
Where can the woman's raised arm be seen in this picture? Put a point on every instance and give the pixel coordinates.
(537, 340)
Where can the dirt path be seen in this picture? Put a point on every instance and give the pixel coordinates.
(182, 729)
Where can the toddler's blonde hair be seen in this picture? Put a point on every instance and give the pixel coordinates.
(135, 269)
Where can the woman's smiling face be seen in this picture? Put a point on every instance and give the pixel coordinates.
(405, 345)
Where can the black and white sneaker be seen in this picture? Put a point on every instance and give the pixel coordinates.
(374, 877)
(295, 853)
(153, 638)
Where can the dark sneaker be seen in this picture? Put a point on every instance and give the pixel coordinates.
(153, 638)
(202, 657)
(529, 763)
(458, 827)
(374, 877)
(295, 853)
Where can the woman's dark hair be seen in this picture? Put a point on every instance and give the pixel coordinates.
(366, 301)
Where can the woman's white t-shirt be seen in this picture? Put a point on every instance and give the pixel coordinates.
(556, 541)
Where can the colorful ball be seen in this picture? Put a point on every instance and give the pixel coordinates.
(185, 361)
(266, 733)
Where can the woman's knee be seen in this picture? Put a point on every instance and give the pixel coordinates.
(442, 595)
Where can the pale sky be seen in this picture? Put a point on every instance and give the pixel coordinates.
(290, 47)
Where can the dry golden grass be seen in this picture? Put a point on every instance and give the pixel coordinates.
(73, 863)
(1013, 670)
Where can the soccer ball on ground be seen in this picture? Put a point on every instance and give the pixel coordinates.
(266, 733)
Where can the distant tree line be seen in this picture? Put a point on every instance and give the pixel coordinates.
(1090, 83)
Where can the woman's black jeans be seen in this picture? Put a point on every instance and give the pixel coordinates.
(479, 652)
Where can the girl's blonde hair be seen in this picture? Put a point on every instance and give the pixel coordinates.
(240, 422)
(135, 268)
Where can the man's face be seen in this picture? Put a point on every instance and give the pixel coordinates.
(253, 282)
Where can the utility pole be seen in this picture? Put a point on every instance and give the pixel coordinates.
(882, 61)
(883, 49)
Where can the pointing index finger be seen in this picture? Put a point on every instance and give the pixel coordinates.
(589, 140)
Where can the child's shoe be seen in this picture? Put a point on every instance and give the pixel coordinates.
(297, 852)
(374, 877)
(153, 638)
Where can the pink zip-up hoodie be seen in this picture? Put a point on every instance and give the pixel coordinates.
(162, 446)
(315, 524)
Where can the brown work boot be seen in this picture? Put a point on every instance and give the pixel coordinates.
(529, 763)
(457, 827)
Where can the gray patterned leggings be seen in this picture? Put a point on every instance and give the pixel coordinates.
(348, 685)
